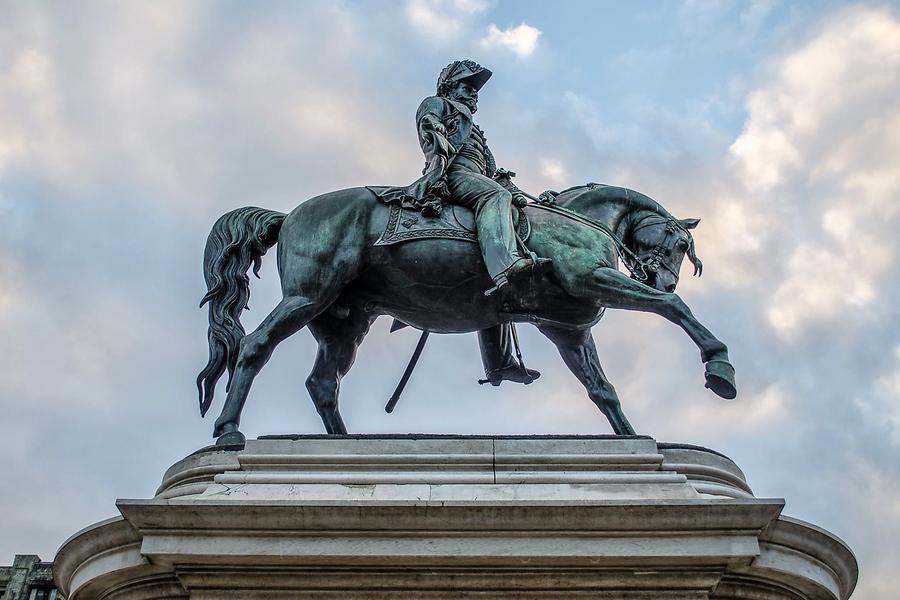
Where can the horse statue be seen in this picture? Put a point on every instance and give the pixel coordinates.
(337, 278)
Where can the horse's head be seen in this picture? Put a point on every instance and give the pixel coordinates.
(660, 244)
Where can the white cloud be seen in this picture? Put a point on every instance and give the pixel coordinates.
(554, 171)
(521, 40)
(825, 130)
(48, 119)
(821, 284)
(443, 20)
(852, 66)
(730, 239)
(884, 406)
(753, 412)
(31, 102)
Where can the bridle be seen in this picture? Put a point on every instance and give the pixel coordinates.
(653, 260)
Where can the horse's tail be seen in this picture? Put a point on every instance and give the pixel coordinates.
(237, 239)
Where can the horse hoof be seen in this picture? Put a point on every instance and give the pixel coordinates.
(720, 378)
(232, 438)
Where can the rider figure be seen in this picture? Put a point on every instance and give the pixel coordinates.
(459, 166)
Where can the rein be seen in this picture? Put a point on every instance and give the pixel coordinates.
(655, 260)
(629, 258)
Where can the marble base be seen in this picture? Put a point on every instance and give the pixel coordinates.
(421, 517)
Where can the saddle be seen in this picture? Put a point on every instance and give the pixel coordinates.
(453, 223)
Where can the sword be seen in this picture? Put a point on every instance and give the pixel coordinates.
(389, 407)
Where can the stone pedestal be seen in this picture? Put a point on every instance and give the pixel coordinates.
(422, 517)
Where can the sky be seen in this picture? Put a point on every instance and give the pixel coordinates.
(127, 128)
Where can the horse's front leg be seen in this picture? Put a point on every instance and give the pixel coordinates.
(616, 290)
(580, 355)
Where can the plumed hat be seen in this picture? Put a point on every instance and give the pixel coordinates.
(462, 70)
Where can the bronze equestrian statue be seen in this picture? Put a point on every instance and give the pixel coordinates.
(456, 251)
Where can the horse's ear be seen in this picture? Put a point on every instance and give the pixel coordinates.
(690, 223)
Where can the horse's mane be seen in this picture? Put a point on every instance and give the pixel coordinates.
(603, 192)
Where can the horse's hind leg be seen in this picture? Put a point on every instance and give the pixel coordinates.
(338, 340)
(291, 315)
(580, 355)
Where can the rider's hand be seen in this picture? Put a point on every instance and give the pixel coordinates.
(548, 197)
(519, 200)
(439, 128)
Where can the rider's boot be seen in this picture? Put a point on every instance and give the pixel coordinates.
(497, 239)
(513, 373)
(521, 264)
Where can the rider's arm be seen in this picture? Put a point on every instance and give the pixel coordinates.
(433, 136)
(429, 123)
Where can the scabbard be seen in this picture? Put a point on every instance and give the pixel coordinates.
(395, 397)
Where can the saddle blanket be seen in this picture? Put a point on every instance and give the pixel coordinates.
(454, 223)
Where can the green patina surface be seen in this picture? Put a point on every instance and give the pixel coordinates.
(337, 279)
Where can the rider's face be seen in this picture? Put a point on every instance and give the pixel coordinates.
(466, 94)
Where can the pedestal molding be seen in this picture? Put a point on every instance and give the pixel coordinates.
(364, 518)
